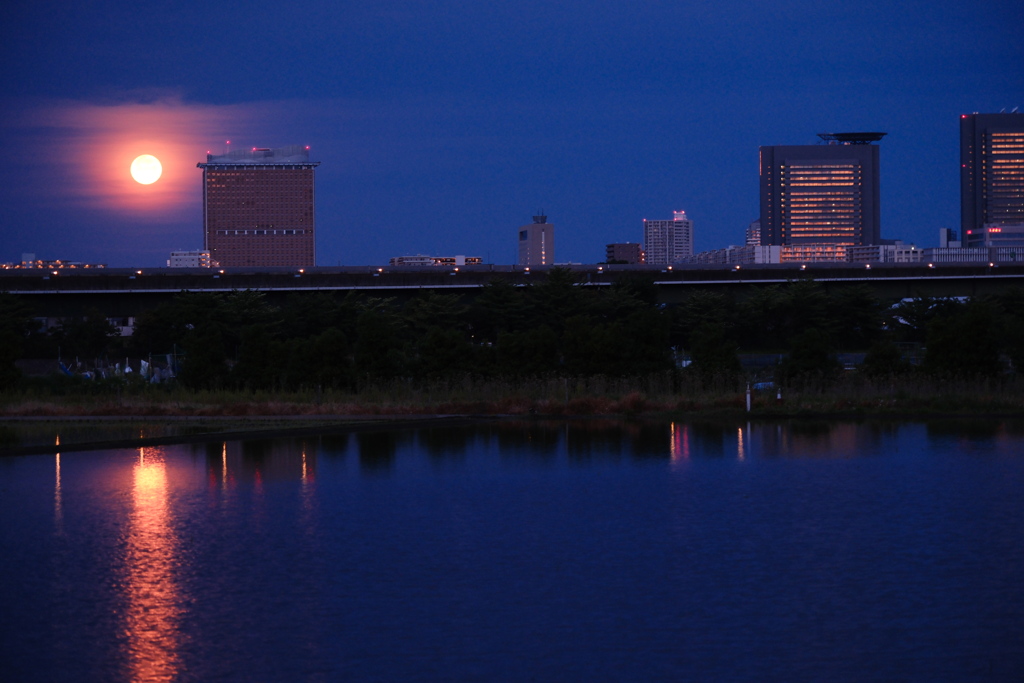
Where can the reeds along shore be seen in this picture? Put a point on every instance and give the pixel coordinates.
(662, 393)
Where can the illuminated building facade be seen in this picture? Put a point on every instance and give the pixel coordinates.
(991, 176)
(423, 260)
(823, 197)
(190, 259)
(258, 207)
(30, 261)
(754, 232)
(668, 241)
(537, 243)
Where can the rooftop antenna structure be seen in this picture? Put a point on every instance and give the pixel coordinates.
(850, 138)
(540, 217)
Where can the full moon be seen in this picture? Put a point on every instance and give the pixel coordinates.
(146, 169)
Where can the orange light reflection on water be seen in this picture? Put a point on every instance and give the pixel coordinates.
(679, 445)
(58, 499)
(154, 609)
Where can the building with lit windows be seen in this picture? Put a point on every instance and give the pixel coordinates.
(422, 260)
(737, 255)
(1005, 235)
(991, 177)
(30, 261)
(897, 252)
(821, 199)
(190, 259)
(537, 243)
(754, 232)
(668, 241)
(258, 207)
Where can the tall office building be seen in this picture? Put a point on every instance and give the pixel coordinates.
(821, 198)
(991, 175)
(668, 241)
(537, 243)
(258, 207)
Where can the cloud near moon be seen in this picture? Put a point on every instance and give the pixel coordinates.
(84, 151)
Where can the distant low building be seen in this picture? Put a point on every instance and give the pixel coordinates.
(748, 254)
(1002, 235)
(754, 232)
(973, 255)
(898, 252)
(949, 238)
(191, 259)
(624, 252)
(815, 253)
(955, 255)
(30, 261)
(424, 260)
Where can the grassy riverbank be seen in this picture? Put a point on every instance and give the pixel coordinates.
(659, 394)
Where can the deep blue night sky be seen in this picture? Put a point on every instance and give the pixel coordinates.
(442, 126)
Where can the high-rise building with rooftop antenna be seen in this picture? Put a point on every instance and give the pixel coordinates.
(537, 243)
(258, 207)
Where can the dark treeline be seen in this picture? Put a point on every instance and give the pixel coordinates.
(352, 341)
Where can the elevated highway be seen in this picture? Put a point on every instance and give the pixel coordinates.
(117, 292)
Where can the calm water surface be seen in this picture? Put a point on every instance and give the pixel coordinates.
(524, 551)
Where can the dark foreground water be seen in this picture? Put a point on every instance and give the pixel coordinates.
(524, 551)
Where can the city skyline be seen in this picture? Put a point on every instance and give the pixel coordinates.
(445, 140)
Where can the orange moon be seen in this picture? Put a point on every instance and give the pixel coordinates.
(146, 169)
